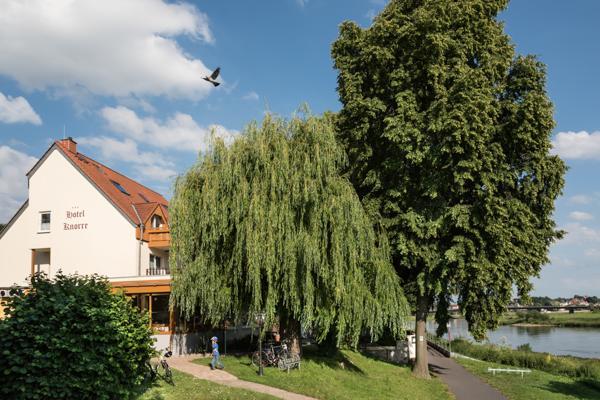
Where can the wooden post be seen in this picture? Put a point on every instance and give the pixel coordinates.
(32, 262)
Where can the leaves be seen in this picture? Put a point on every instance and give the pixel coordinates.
(269, 224)
(448, 138)
(70, 337)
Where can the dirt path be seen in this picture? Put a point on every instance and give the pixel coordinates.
(463, 384)
(184, 364)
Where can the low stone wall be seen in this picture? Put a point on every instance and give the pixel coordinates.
(397, 354)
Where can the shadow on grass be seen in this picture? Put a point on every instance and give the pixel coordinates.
(337, 360)
(582, 389)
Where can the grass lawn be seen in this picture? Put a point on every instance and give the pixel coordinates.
(349, 375)
(189, 388)
(533, 386)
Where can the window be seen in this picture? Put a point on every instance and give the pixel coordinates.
(118, 186)
(157, 221)
(154, 261)
(144, 198)
(157, 305)
(45, 221)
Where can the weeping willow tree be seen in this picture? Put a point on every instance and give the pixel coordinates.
(269, 225)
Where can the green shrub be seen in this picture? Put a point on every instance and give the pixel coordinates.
(587, 369)
(532, 317)
(72, 338)
(524, 347)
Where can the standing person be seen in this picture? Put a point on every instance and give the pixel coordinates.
(216, 361)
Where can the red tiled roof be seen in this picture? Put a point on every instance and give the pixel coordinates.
(146, 210)
(138, 195)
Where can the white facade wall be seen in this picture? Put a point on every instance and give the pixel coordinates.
(105, 242)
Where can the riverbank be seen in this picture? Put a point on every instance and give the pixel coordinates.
(585, 369)
(575, 320)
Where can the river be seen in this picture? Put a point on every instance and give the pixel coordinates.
(579, 342)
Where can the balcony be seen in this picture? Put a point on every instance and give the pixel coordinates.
(159, 238)
(157, 271)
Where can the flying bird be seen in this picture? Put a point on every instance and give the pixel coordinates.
(213, 76)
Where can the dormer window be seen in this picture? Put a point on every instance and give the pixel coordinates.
(157, 221)
(45, 221)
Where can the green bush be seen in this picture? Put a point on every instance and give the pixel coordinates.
(533, 317)
(587, 369)
(72, 338)
(524, 347)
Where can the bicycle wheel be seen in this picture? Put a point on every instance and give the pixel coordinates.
(282, 364)
(149, 373)
(256, 359)
(168, 375)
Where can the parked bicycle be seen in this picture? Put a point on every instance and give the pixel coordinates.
(161, 369)
(279, 356)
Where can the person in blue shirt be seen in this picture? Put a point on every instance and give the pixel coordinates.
(216, 361)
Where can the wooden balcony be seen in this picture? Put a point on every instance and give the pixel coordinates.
(159, 238)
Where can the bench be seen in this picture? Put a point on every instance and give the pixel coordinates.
(518, 371)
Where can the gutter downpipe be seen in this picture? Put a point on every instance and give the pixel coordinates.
(140, 242)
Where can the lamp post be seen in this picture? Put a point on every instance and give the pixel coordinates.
(260, 319)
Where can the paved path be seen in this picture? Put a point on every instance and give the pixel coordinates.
(463, 384)
(184, 364)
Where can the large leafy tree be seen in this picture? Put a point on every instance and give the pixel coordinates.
(268, 224)
(448, 136)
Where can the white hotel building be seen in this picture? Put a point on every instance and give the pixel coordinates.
(81, 216)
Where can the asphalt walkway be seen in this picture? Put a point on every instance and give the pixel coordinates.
(463, 384)
(185, 364)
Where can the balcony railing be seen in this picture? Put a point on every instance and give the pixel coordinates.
(159, 238)
(157, 271)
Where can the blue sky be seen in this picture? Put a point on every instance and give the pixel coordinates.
(124, 79)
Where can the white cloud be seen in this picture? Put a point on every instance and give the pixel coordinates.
(179, 132)
(581, 216)
(17, 110)
(149, 165)
(13, 183)
(577, 145)
(580, 199)
(253, 96)
(110, 47)
(301, 3)
(371, 14)
(578, 233)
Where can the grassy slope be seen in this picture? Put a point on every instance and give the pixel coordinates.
(534, 386)
(189, 388)
(360, 378)
(579, 319)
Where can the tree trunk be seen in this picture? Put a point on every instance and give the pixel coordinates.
(421, 367)
(291, 331)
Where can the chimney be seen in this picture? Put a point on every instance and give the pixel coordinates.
(69, 144)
